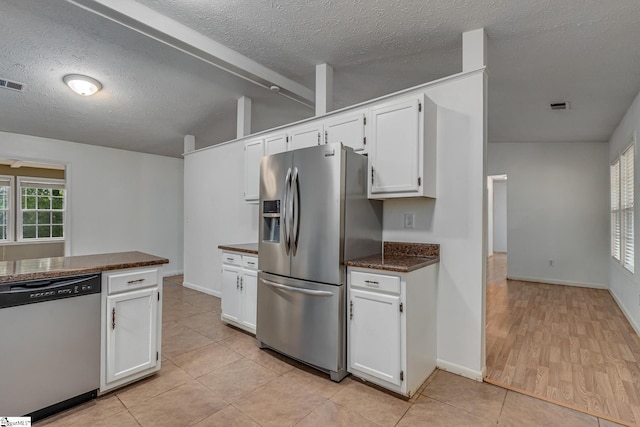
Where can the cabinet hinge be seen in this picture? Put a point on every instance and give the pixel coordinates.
(401, 308)
(157, 356)
(326, 137)
(158, 296)
(365, 120)
(401, 375)
(318, 138)
(419, 181)
(350, 309)
(364, 140)
(419, 107)
(287, 138)
(372, 173)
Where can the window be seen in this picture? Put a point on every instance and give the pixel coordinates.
(622, 209)
(6, 215)
(42, 206)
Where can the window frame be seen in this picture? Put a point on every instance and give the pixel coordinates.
(19, 211)
(11, 212)
(623, 208)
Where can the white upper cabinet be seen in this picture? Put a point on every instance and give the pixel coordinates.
(253, 152)
(305, 136)
(349, 129)
(403, 148)
(276, 143)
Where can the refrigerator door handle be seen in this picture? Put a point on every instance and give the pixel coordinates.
(285, 211)
(295, 187)
(298, 290)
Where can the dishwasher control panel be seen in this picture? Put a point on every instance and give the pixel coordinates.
(30, 292)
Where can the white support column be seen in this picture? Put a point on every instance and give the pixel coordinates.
(244, 117)
(474, 50)
(324, 89)
(189, 143)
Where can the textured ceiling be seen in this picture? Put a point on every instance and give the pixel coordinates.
(540, 51)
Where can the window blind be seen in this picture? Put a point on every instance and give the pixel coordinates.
(615, 210)
(627, 207)
(54, 185)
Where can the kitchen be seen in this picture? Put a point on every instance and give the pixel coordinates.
(456, 224)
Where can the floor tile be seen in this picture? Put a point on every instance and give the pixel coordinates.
(427, 411)
(205, 359)
(228, 417)
(521, 410)
(170, 376)
(315, 381)
(237, 379)
(88, 413)
(248, 346)
(183, 405)
(208, 302)
(278, 403)
(210, 325)
(330, 414)
(607, 423)
(478, 398)
(183, 342)
(375, 405)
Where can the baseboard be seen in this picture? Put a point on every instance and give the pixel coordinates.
(461, 370)
(558, 282)
(172, 273)
(634, 325)
(203, 289)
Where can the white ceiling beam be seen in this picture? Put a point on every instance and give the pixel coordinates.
(324, 89)
(189, 143)
(474, 50)
(153, 24)
(243, 124)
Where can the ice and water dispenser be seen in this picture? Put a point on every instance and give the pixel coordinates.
(271, 221)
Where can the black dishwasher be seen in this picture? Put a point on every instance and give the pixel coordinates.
(50, 344)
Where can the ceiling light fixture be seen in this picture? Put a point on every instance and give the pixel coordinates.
(82, 85)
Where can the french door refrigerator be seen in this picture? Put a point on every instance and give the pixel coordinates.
(314, 214)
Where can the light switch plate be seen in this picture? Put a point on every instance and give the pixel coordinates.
(409, 220)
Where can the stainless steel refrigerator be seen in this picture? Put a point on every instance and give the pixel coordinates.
(314, 214)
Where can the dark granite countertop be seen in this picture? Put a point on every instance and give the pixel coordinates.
(400, 256)
(246, 248)
(43, 268)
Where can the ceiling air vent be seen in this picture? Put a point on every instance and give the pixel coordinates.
(559, 106)
(8, 84)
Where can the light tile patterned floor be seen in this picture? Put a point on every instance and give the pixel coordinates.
(215, 375)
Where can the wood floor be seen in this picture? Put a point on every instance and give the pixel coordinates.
(565, 344)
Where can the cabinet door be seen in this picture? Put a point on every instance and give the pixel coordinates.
(395, 147)
(132, 326)
(249, 287)
(375, 335)
(274, 144)
(347, 129)
(253, 152)
(231, 308)
(303, 137)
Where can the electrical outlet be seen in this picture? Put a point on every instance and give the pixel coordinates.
(409, 220)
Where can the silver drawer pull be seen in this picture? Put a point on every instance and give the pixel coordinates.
(371, 282)
(131, 282)
(251, 263)
(229, 259)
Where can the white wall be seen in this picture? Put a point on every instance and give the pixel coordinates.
(215, 213)
(499, 216)
(624, 286)
(557, 209)
(214, 183)
(118, 200)
(454, 220)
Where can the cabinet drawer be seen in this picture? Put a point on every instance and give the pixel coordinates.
(377, 282)
(231, 258)
(250, 262)
(130, 280)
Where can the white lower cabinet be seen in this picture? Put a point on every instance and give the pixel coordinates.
(391, 338)
(240, 290)
(131, 326)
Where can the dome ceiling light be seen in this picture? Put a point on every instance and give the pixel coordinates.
(82, 85)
